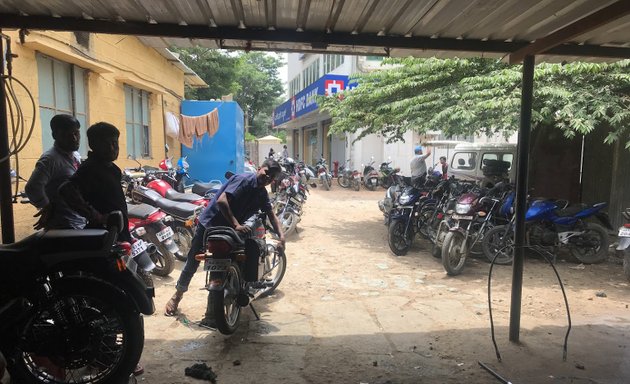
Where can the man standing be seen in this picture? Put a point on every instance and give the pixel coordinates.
(419, 166)
(53, 168)
(241, 197)
(285, 152)
(444, 165)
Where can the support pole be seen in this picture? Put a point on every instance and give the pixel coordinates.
(6, 202)
(521, 196)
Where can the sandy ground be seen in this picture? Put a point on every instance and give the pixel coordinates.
(349, 311)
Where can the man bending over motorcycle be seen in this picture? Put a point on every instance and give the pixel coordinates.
(241, 197)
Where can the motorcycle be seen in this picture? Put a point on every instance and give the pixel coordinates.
(71, 306)
(184, 214)
(624, 242)
(553, 224)
(324, 176)
(167, 191)
(349, 178)
(371, 176)
(387, 174)
(239, 269)
(473, 217)
(392, 193)
(287, 206)
(151, 227)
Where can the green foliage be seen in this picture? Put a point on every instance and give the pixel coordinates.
(249, 137)
(251, 77)
(482, 96)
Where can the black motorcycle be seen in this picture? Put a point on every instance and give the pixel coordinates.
(71, 305)
(239, 269)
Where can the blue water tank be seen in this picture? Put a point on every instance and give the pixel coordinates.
(210, 157)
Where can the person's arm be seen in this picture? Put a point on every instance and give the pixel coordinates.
(36, 185)
(277, 227)
(224, 207)
(71, 194)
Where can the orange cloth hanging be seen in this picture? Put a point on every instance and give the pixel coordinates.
(198, 126)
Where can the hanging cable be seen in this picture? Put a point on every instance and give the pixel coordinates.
(20, 136)
(545, 254)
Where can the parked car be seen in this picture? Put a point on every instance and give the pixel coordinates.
(468, 160)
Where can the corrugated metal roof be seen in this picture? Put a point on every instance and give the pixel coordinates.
(375, 27)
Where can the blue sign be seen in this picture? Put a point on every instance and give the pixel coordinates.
(304, 101)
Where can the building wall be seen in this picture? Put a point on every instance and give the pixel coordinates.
(112, 61)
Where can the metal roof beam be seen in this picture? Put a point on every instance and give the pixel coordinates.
(291, 36)
(579, 27)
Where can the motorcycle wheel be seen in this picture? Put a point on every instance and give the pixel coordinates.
(288, 221)
(453, 259)
(325, 183)
(183, 238)
(356, 184)
(275, 267)
(98, 339)
(626, 263)
(398, 243)
(427, 227)
(590, 253)
(438, 241)
(343, 182)
(499, 242)
(370, 185)
(163, 259)
(225, 307)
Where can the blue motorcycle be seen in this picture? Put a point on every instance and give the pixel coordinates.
(551, 225)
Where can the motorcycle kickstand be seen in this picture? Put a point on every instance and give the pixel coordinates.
(251, 305)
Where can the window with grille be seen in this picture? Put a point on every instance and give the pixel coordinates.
(137, 122)
(62, 89)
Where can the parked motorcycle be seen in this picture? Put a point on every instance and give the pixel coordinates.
(552, 225)
(324, 176)
(152, 228)
(387, 174)
(370, 175)
(287, 205)
(473, 216)
(70, 307)
(349, 178)
(239, 269)
(624, 242)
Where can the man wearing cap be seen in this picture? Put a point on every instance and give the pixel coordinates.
(419, 166)
(242, 196)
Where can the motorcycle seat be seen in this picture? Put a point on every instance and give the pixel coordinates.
(56, 241)
(177, 209)
(201, 188)
(571, 210)
(224, 233)
(141, 211)
(172, 194)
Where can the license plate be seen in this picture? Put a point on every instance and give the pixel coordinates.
(165, 234)
(624, 232)
(138, 247)
(461, 217)
(295, 201)
(216, 265)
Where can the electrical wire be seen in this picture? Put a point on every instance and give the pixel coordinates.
(20, 135)
(543, 253)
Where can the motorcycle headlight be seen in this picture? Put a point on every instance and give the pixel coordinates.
(140, 231)
(462, 208)
(404, 199)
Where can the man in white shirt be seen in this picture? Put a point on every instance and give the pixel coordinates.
(419, 166)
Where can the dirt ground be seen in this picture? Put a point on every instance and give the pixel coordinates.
(349, 311)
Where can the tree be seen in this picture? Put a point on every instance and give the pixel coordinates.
(482, 96)
(216, 68)
(251, 77)
(257, 88)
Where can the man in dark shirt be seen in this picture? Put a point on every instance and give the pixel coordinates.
(237, 200)
(53, 168)
(94, 190)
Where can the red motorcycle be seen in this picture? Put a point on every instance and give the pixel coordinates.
(167, 191)
(149, 224)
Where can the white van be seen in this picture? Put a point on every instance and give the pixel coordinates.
(467, 159)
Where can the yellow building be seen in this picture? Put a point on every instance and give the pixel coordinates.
(97, 77)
